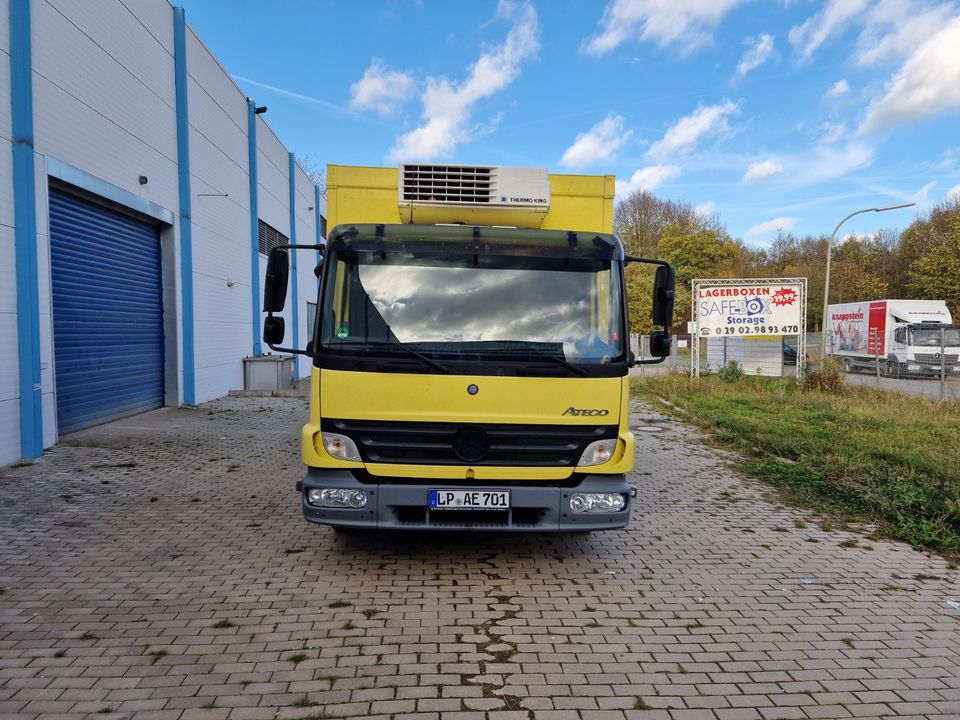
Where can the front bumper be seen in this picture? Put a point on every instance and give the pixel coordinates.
(402, 505)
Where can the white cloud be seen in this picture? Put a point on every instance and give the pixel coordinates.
(447, 105)
(921, 196)
(832, 132)
(684, 135)
(597, 144)
(779, 223)
(894, 28)
(759, 51)
(828, 162)
(706, 209)
(380, 89)
(648, 178)
(686, 23)
(953, 193)
(836, 15)
(761, 170)
(927, 84)
(840, 87)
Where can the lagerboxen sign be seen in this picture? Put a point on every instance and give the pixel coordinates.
(748, 308)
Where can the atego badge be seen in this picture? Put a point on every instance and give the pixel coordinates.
(594, 412)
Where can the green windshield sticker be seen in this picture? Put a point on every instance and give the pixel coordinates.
(342, 332)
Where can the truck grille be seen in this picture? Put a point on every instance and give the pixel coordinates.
(934, 359)
(469, 444)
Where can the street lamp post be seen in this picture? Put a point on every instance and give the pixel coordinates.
(826, 281)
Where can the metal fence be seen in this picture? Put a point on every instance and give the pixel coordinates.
(931, 369)
(918, 361)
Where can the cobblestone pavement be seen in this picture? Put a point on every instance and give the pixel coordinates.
(159, 568)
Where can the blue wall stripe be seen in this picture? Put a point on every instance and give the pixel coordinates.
(25, 231)
(295, 295)
(254, 224)
(186, 224)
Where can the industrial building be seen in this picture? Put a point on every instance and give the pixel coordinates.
(140, 191)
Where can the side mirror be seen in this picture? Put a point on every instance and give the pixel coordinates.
(318, 270)
(273, 330)
(663, 296)
(660, 342)
(275, 284)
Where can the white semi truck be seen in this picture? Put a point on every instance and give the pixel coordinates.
(910, 337)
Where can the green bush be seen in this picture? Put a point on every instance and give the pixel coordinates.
(731, 372)
(827, 378)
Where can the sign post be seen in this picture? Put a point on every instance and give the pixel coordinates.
(749, 308)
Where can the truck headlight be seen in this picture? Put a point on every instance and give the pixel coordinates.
(597, 502)
(340, 446)
(914, 368)
(599, 452)
(337, 498)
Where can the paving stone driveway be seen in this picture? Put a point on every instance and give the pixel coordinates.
(159, 568)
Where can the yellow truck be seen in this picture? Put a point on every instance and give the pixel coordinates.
(470, 351)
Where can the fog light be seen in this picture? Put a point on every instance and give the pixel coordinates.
(337, 498)
(599, 452)
(597, 502)
(913, 368)
(340, 446)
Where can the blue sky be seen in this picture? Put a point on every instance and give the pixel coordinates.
(785, 114)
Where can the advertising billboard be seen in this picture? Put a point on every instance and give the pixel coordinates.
(746, 307)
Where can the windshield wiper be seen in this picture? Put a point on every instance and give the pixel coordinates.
(393, 343)
(560, 361)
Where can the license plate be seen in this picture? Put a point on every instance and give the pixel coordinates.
(469, 499)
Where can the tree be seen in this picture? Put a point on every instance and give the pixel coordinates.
(934, 274)
(313, 170)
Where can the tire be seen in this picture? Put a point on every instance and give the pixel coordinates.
(893, 369)
(848, 366)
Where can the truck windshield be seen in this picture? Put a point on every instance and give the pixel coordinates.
(930, 336)
(473, 307)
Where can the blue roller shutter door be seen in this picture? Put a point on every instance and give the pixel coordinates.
(107, 313)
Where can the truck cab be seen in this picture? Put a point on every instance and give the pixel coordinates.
(468, 376)
(920, 348)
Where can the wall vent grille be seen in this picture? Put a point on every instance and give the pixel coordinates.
(270, 237)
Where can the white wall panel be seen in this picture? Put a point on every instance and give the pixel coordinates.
(97, 114)
(9, 377)
(10, 422)
(155, 16)
(5, 131)
(139, 38)
(6, 184)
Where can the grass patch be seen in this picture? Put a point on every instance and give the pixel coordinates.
(641, 704)
(369, 613)
(858, 454)
(304, 702)
(223, 624)
(89, 636)
(298, 658)
(340, 604)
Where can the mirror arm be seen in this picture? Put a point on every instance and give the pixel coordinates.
(627, 259)
(292, 351)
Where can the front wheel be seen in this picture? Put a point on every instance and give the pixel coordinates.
(893, 369)
(848, 366)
